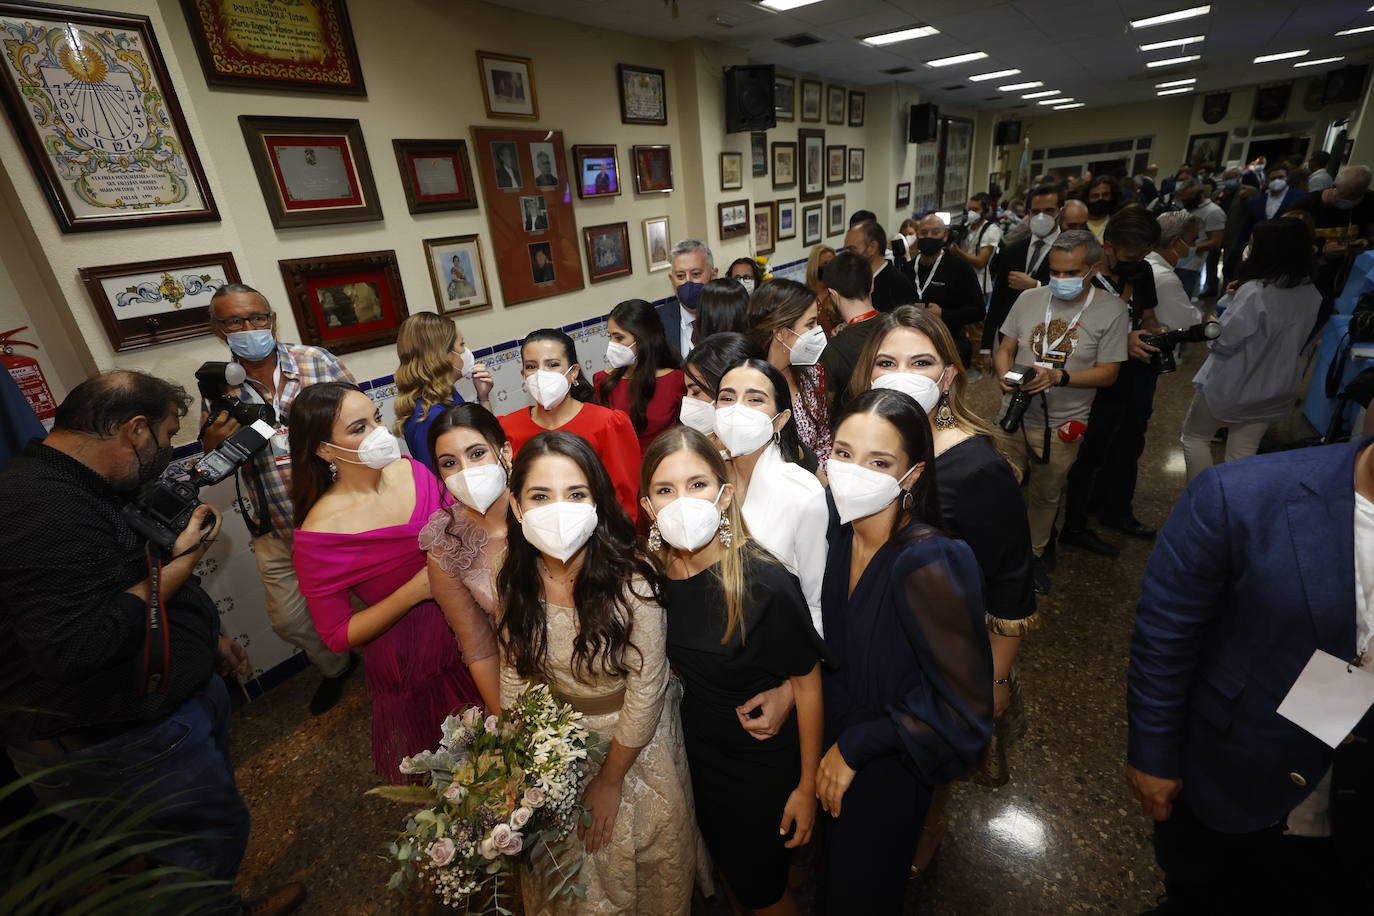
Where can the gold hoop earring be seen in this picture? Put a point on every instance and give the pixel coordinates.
(944, 416)
(907, 499)
(777, 437)
(655, 542)
(725, 532)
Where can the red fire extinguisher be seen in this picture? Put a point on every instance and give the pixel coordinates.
(28, 375)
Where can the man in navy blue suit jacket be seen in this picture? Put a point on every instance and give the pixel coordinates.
(691, 268)
(1255, 570)
(1271, 203)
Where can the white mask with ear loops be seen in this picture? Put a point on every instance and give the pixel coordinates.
(688, 522)
(477, 487)
(548, 388)
(922, 389)
(378, 449)
(860, 492)
(559, 529)
(698, 415)
(742, 429)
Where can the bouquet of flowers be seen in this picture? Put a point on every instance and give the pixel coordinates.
(500, 790)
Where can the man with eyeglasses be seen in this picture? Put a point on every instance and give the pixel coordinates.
(276, 373)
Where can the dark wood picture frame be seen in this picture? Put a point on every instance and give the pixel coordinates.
(808, 137)
(856, 157)
(834, 226)
(857, 103)
(34, 99)
(790, 204)
(769, 211)
(488, 91)
(441, 295)
(806, 212)
(837, 154)
(306, 278)
(589, 234)
(745, 226)
(163, 276)
(785, 97)
(623, 72)
(807, 87)
(338, 133)
(780, 182)
(226, 64)
(903, 194)
(643, 156)
(1196, 148)
(835, 98)
(581, 153)
(407, 154)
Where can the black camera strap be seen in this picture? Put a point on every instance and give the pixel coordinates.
(263, 523)
(157, 643)
(1045, 453)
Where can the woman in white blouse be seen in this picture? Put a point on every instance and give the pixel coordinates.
(1251, 378)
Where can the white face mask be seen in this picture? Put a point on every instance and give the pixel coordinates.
(1278, 184)
(619, 355)
(859, 492)
(922, 389)
(469, 363)
(687, 522)
(747, 283)
(742, 429)
(559, 529)
(547, 388)
(973, 216)
(378, 449)
(1041, 225)
(808, 347)
(478, 487)
(698, 415)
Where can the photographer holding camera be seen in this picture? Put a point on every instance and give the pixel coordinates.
(276, 372)
(1061, 342)
(109, 651)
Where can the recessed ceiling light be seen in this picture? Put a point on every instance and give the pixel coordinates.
(784, 5)
(891, 38)
(1363, 28)
(1171, 61)
(1054, 101)
(1282, 55)
(957, 59)
(1323, 60)
(1171, 83)
(1041, 94)
(1174, 91)
(1176, 16)
(996, 74)
(1070, 105)
(1033, 84)
(1190, 40)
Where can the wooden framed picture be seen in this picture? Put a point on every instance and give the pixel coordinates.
(784, 98)
(811, 224)
(1205, 150)
(507, 86)
(98, 119)
(784, 165)
(608, 251)
(903, 194)
(787, 218)
(731, 171)
(834, 214)
(301, 46)
(436, 175)
(653, 169)
(656, 243)
(533, 230)
(810, 100)
(856, 109)
(312, 171)
(459, 274)
(732, 217)
(346, 302)
(152, 302)
(834, 104)
(811, 151)
(856, 163)
(758, 152)
(836, 165)
(598, 171)
(643, 95)
(765, 228)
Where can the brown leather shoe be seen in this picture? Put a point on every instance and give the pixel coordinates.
(277, 902)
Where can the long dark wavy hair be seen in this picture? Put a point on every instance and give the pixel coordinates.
(789, 443)
(1282, 252)
(652, 353)
(911, 423)
(312, 422)
(715, 355)
(604, 592)
(463, 416)
(581, 388)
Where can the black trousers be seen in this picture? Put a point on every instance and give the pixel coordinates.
(1104, 476)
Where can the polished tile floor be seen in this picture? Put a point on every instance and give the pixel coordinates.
(1064, 836)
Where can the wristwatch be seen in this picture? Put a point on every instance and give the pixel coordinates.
(1063, 379)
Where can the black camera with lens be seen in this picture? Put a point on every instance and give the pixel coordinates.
(1016, 376)
(957, 227)
(1164, 361)
(214, 381)
(163, 508)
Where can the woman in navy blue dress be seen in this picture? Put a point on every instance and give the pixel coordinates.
(909, 706)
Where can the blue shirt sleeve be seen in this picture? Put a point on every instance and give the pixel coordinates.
(416, 430)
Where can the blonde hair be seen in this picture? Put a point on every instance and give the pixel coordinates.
(425, 376)
(911, 224)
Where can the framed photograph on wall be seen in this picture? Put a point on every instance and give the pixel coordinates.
(436, 175)
(1206, 150)
(731, 171)
(903, 194)
(811, 151)
(346, 302)
(856, 109)
(834, 104)
(458, 273)
(656, 243)
(643, 95)
(151, 302)
(834, 214)
(732, 218)
(811, 224)
(836, 165)
(784, 165)
(784, 98)
(507, 85)
(765, 228)
(303, 46)
(312, 171)
(856, 163)
(98, 119)
(810, 100)
(598, 171)
(653, 169)
(758, 152)
(608, 251)
(787, 218)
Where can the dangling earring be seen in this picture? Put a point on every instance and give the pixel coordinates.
(725, 532)
(944, 417)
(655, 542)
(333, 471)
(907, 499)
(777, 437)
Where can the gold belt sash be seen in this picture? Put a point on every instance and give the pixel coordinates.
(595, 706)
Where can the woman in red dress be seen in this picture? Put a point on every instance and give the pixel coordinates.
(645, 379)
(562, 401)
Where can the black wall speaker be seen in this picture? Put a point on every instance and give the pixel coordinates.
(749, 98)
(1008, 132)
(924, 124)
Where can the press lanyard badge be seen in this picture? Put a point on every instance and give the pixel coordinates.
(922, 287)
(1051, 356)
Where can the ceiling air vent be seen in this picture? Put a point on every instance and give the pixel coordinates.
(800, 40)
(896, 70)
(951, 88)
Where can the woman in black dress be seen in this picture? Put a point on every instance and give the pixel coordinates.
(910, 704)
(737, 625)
